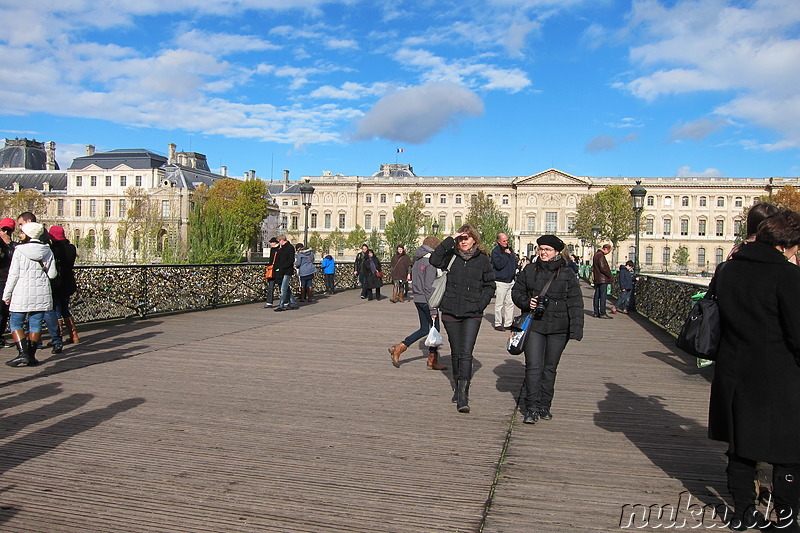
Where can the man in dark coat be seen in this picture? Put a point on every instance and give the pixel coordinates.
(601, 273)
(504, 262)
(755, 395)
(283, 268)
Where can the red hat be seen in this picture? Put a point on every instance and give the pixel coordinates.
(8, 223)
(56, 232)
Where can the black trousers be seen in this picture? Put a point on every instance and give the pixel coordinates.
(542, 355)
(461, 333)
(785, 487)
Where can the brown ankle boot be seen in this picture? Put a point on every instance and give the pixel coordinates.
(395, 351)
(433, 362)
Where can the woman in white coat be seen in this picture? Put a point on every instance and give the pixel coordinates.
(28, 292)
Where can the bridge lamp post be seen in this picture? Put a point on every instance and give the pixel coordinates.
(637, 197)
(435, 229)
(306, 190)
(595, 236)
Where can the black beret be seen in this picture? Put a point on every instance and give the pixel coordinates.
(551, 240)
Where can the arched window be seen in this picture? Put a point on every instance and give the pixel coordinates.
(90, 240)
(720, 255)
(106, 239)
(701, 257)
(648, 255)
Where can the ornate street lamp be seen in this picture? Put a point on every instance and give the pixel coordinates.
(306, 191)
(595, 236)
(435, 228)
(637, 197)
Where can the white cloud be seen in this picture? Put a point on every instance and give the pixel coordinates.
(416, 114)
(687, 172)
(351, 91)
(697, 129)
(341, 44)
(221, 44)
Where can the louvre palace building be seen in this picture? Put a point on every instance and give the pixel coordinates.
(701, 213)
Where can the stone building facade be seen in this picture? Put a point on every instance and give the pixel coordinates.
(700, 213)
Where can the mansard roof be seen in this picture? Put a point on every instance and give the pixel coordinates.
(136, 159)
(24, 154)
(34, 179)
(189, 178)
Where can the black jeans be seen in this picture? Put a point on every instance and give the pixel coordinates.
(329, 283)
(600, 294)
(270, 291)
(542, 354)
(462, 333)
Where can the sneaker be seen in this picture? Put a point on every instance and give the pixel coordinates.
(279, 309)
(57, 348)
(267, 306)
(545, 414)
(531, 417)
(499, 328)
(363, 297)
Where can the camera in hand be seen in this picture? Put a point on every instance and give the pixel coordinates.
(541, 307)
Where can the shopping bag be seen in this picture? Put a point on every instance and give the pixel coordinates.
(434, 338)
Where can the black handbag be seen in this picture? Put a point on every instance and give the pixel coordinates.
(700, 334)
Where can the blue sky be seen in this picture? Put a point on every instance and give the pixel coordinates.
(492, 88)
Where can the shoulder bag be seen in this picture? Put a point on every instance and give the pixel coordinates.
(439, 285)
(521, 324)
(700, 334)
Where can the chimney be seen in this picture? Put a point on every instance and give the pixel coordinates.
(223, 170)
(171, 154)
(50, 149)
(252, 174)
(285, 179)
(89, 149)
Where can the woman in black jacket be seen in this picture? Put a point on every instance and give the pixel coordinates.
(557, 318)
(470, 286)
(755, 394)
(372, 271)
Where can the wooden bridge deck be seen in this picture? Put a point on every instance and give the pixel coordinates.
(243, 419)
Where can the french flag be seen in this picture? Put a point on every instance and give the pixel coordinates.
(400, 150)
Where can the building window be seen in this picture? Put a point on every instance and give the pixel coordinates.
(701, 227)
(93, 183)
(286, 203)
(120, 239)
(92, 208)
(531, 224)
(295, 202)
(368, 199)
(138, 181)
(106, 240)
(457, 221)
(78, 181)
(473, 199)
(720, 228)
(720, 255)
(107, 205)
(650, 201)
(665, 256)
(488, 197)
(649, 225)
(703, 202)
(382, 222)
(458, 199)
(341, 220)
(684, 226)
(164, 208)
(108, 181)
(505, 199)
(442, 198)
(123, 181)
(701, 257)
(327, 221)
(551, 222)
(383, 198)
(720, 201)
(60, 207)
(685, 201)
(668, 201)
(570, 224)
(648, 255)
(77, 238)
(398, 198)
(123, 209)
(738, 201)
(632, 254)
(313, 220)
(667, 226)
(442, 222)
(90, 241)
(368, 221)
(295, 222)
(428, 199)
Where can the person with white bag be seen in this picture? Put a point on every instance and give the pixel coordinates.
(422, 276)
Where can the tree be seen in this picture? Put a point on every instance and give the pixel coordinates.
(29, 200)
(403, 230)
(249, 205)
(609, 210)
(681, 258)
(142, 223)
(317, 243)
(336, 240)
(787, 197)
(375, 243)
(356, 238)
(489, 221)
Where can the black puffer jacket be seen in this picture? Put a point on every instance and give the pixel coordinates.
(564, 314)
(470, 284)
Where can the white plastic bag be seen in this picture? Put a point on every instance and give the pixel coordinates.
(434, 338)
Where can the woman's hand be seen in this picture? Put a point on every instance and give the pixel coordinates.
(459, 234)
(533, 302)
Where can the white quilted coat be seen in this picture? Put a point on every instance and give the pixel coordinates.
(28, 286)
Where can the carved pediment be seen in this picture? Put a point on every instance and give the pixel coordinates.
(552, 177)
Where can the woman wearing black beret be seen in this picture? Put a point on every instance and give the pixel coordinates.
(558, 319)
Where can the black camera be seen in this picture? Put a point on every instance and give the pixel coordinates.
(541, 307)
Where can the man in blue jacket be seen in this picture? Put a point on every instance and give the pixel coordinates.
(504, 262)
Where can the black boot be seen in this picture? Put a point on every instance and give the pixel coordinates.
(22, 356)
(454, 362)
(32, 347)
(462, 396)
(786, 491)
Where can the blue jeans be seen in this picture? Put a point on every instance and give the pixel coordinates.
(51, 319)
(17, 322)
(624, 301)
(425, 323)
(287, 298)
(600, 293)
(542, 354)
